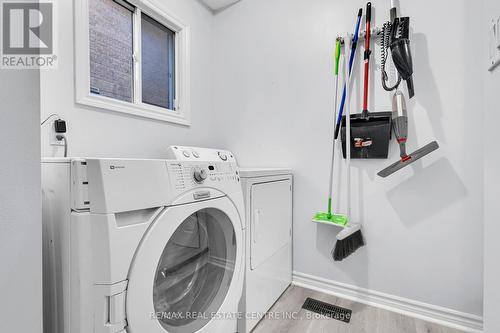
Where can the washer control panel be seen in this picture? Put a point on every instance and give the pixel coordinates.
(184, 153)
(192, 167)
(188, 175)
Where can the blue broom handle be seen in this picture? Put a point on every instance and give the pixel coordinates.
(351, 61)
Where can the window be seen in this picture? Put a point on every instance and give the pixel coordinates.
(158, 64)
(132, 58)
(111, 49)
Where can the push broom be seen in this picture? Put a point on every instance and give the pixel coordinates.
(350, 238)
(329, 216)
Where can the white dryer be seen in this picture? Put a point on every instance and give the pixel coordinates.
(268, 238)
(142, 245)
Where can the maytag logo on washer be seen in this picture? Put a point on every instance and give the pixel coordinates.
(113, 167)
(28, 34)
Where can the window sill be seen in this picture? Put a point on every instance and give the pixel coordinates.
(139, 110)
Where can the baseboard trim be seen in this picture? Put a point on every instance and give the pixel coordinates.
(428, 312)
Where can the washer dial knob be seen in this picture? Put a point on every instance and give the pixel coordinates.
(199, 175)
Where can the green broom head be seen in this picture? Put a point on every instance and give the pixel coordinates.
(338, 219)
(348, 241)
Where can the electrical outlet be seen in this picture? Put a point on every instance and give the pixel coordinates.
(53, 140)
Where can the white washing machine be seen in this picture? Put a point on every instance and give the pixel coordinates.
(142, 245)
(268, 238)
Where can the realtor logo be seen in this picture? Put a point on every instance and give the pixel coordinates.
(28, 34)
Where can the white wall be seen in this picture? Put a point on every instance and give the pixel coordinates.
(273, 97)
(492, 191)
(99, 133)
(271, 103)
(20, 202)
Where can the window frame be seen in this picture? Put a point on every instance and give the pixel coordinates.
(181, 114)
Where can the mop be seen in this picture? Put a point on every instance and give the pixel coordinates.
(351, 238)
(400, 128)
(328, 216)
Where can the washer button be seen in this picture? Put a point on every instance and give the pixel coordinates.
(186, 153)
(195, 154)
(223, 156)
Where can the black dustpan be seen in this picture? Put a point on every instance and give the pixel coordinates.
(370, 135)
(370, 131)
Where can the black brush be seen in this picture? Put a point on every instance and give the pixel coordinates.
(348, 241)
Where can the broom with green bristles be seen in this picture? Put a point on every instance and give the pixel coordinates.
(329, 217)
(351, 238)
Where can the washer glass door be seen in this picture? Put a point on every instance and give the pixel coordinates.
(195, 271)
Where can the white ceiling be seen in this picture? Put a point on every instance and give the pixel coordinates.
(218, 4)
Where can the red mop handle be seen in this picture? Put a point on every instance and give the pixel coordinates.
(367, 54)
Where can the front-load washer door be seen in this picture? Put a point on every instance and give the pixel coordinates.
(186, 273)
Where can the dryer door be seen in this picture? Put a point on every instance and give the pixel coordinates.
(186, 273)
(270, 218)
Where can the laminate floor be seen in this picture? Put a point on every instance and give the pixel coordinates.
(287, 315)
